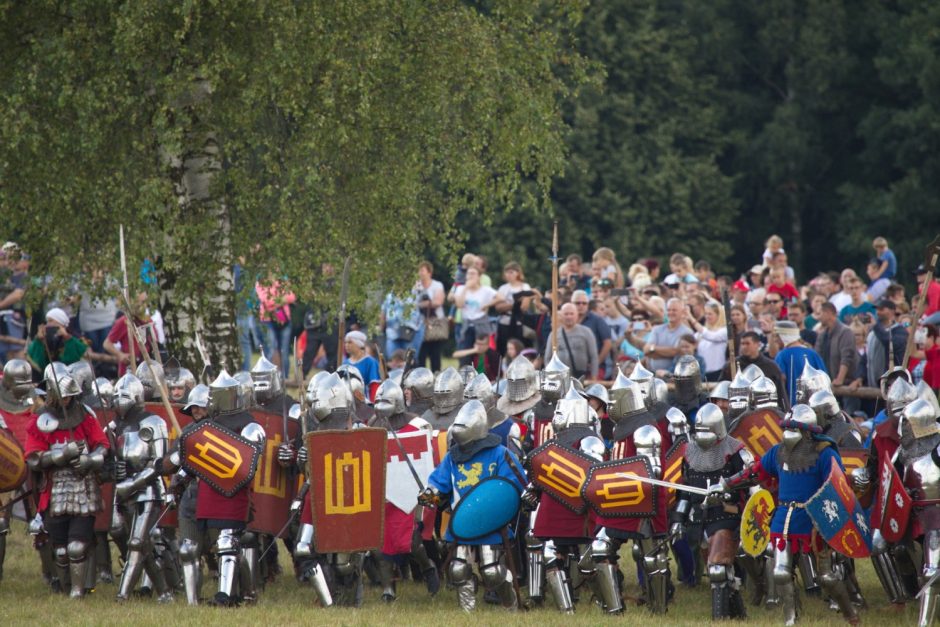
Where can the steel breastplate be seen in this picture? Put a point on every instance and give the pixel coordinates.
(922, 477)
(134, 450)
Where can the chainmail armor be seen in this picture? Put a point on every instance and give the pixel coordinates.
(802, 457)
(714, 458)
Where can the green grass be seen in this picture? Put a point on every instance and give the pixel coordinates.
(25, 600)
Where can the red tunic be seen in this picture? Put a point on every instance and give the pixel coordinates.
(36, 442)
(626, 448)
(214, 505)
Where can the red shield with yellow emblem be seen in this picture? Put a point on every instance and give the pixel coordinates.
(561, 473)
(672, 470)
(12, 465)
(759, 430)
(222, 458)
(347, 489)
(853, 458)
(542, 432)
(615, 489)
(273, 487)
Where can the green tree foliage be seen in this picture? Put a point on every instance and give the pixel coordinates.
(292, 133)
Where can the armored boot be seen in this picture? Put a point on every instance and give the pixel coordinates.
(884, 565)
(428, 570)
(157, 579)
(250, 566)
(656, 569)
(809, 574)
(557, 579)
(103, 558)
(786, 588)
(78, 566)
(772, 599)
(496, 576)
(227, 550)
(756, 582)
(387, 577)
(91, 570)
(721, 577)
(460, 572)
(61, 556)
(535, 561)
(189, 556)
(131, 573)
(317, 578)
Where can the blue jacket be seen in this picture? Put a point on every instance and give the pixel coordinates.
(799, 487)
(456, 479)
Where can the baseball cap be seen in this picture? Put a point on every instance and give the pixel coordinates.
(740, 285)
(921, 269)
(885, 303)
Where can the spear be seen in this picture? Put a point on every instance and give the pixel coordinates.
(127, 299)
(555, 288)
(732, 340)
(343, 295)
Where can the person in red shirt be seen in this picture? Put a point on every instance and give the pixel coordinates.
(932, 358)
(118, 342)
(67, 445)
(779, 285)
(933, 290)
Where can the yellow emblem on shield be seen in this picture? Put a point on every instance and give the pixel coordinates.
(755, 522)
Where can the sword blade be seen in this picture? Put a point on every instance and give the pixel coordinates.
(664, 484)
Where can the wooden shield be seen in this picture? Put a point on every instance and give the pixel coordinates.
(347, 489)
(759, 430)
(222, 458)
(273, 488)
(542, 432)
(561, 472)
(891, 510)
(12, 464)
(611, 492)
(755, 522)
(672, 471)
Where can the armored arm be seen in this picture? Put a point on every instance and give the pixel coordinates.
(530, 496)
(91, 461)
(56, 457)
(594, 447)
(431, 497)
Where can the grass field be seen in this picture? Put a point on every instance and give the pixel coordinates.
(25, 600)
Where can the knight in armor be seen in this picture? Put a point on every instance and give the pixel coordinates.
(16, 400)
(710, 455)
(353, 378)
(687, 376)
(418, 386)
(556, 530)
(738, 398)
(834, 422)
(801, 464)
(448, 395)
(151, 379)
(246, 389)
(269, 387)
(474, 456)
(140, 441)
(336, 578)
(479, 388)
(920, 456)
(810, 381)
(519, 399)
(719, 396)
(67, 446)
(224, 519)
(762, 394)
(598, 398)
(636, 433)
(84, 375)
(400, 540)
(179, 382)
(893, 564)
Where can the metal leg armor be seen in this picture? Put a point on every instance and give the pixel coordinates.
(460, 573)
(61, 556)
(756, 582)
(809, 573)
(91, 569)
(304, 545)
(832, 581)
(387, 578)
(534, 549)
(783, 578)
(167, 550)
(77, 551)
(656, 568)
(250, 565)
(885, 568)
(138, 546)
(721, 578)
(227, 549)
(770, 584)
(189, 556)
(604, 555)
(103, 558)
(46, 559)
(556, 575)
(432, 580)
(496, 576)
(348, 569)
(905, 558)
(931, 596)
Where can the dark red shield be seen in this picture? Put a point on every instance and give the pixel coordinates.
(759, 430)
(222, 458)
(561, 473)
(542, 432)
(891, 510)
(12, 464)
(273, 487)
(672, 470)
(347, 489)
(612, 492)
(18, 424)
(158, 409)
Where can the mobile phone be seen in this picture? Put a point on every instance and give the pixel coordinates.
(639, 325)
(620, 291)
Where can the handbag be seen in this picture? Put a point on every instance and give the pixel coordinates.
(406, 333)
(436, 329)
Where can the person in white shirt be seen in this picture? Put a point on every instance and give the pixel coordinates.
(712, 340)
(473, 300)
(515, 283)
